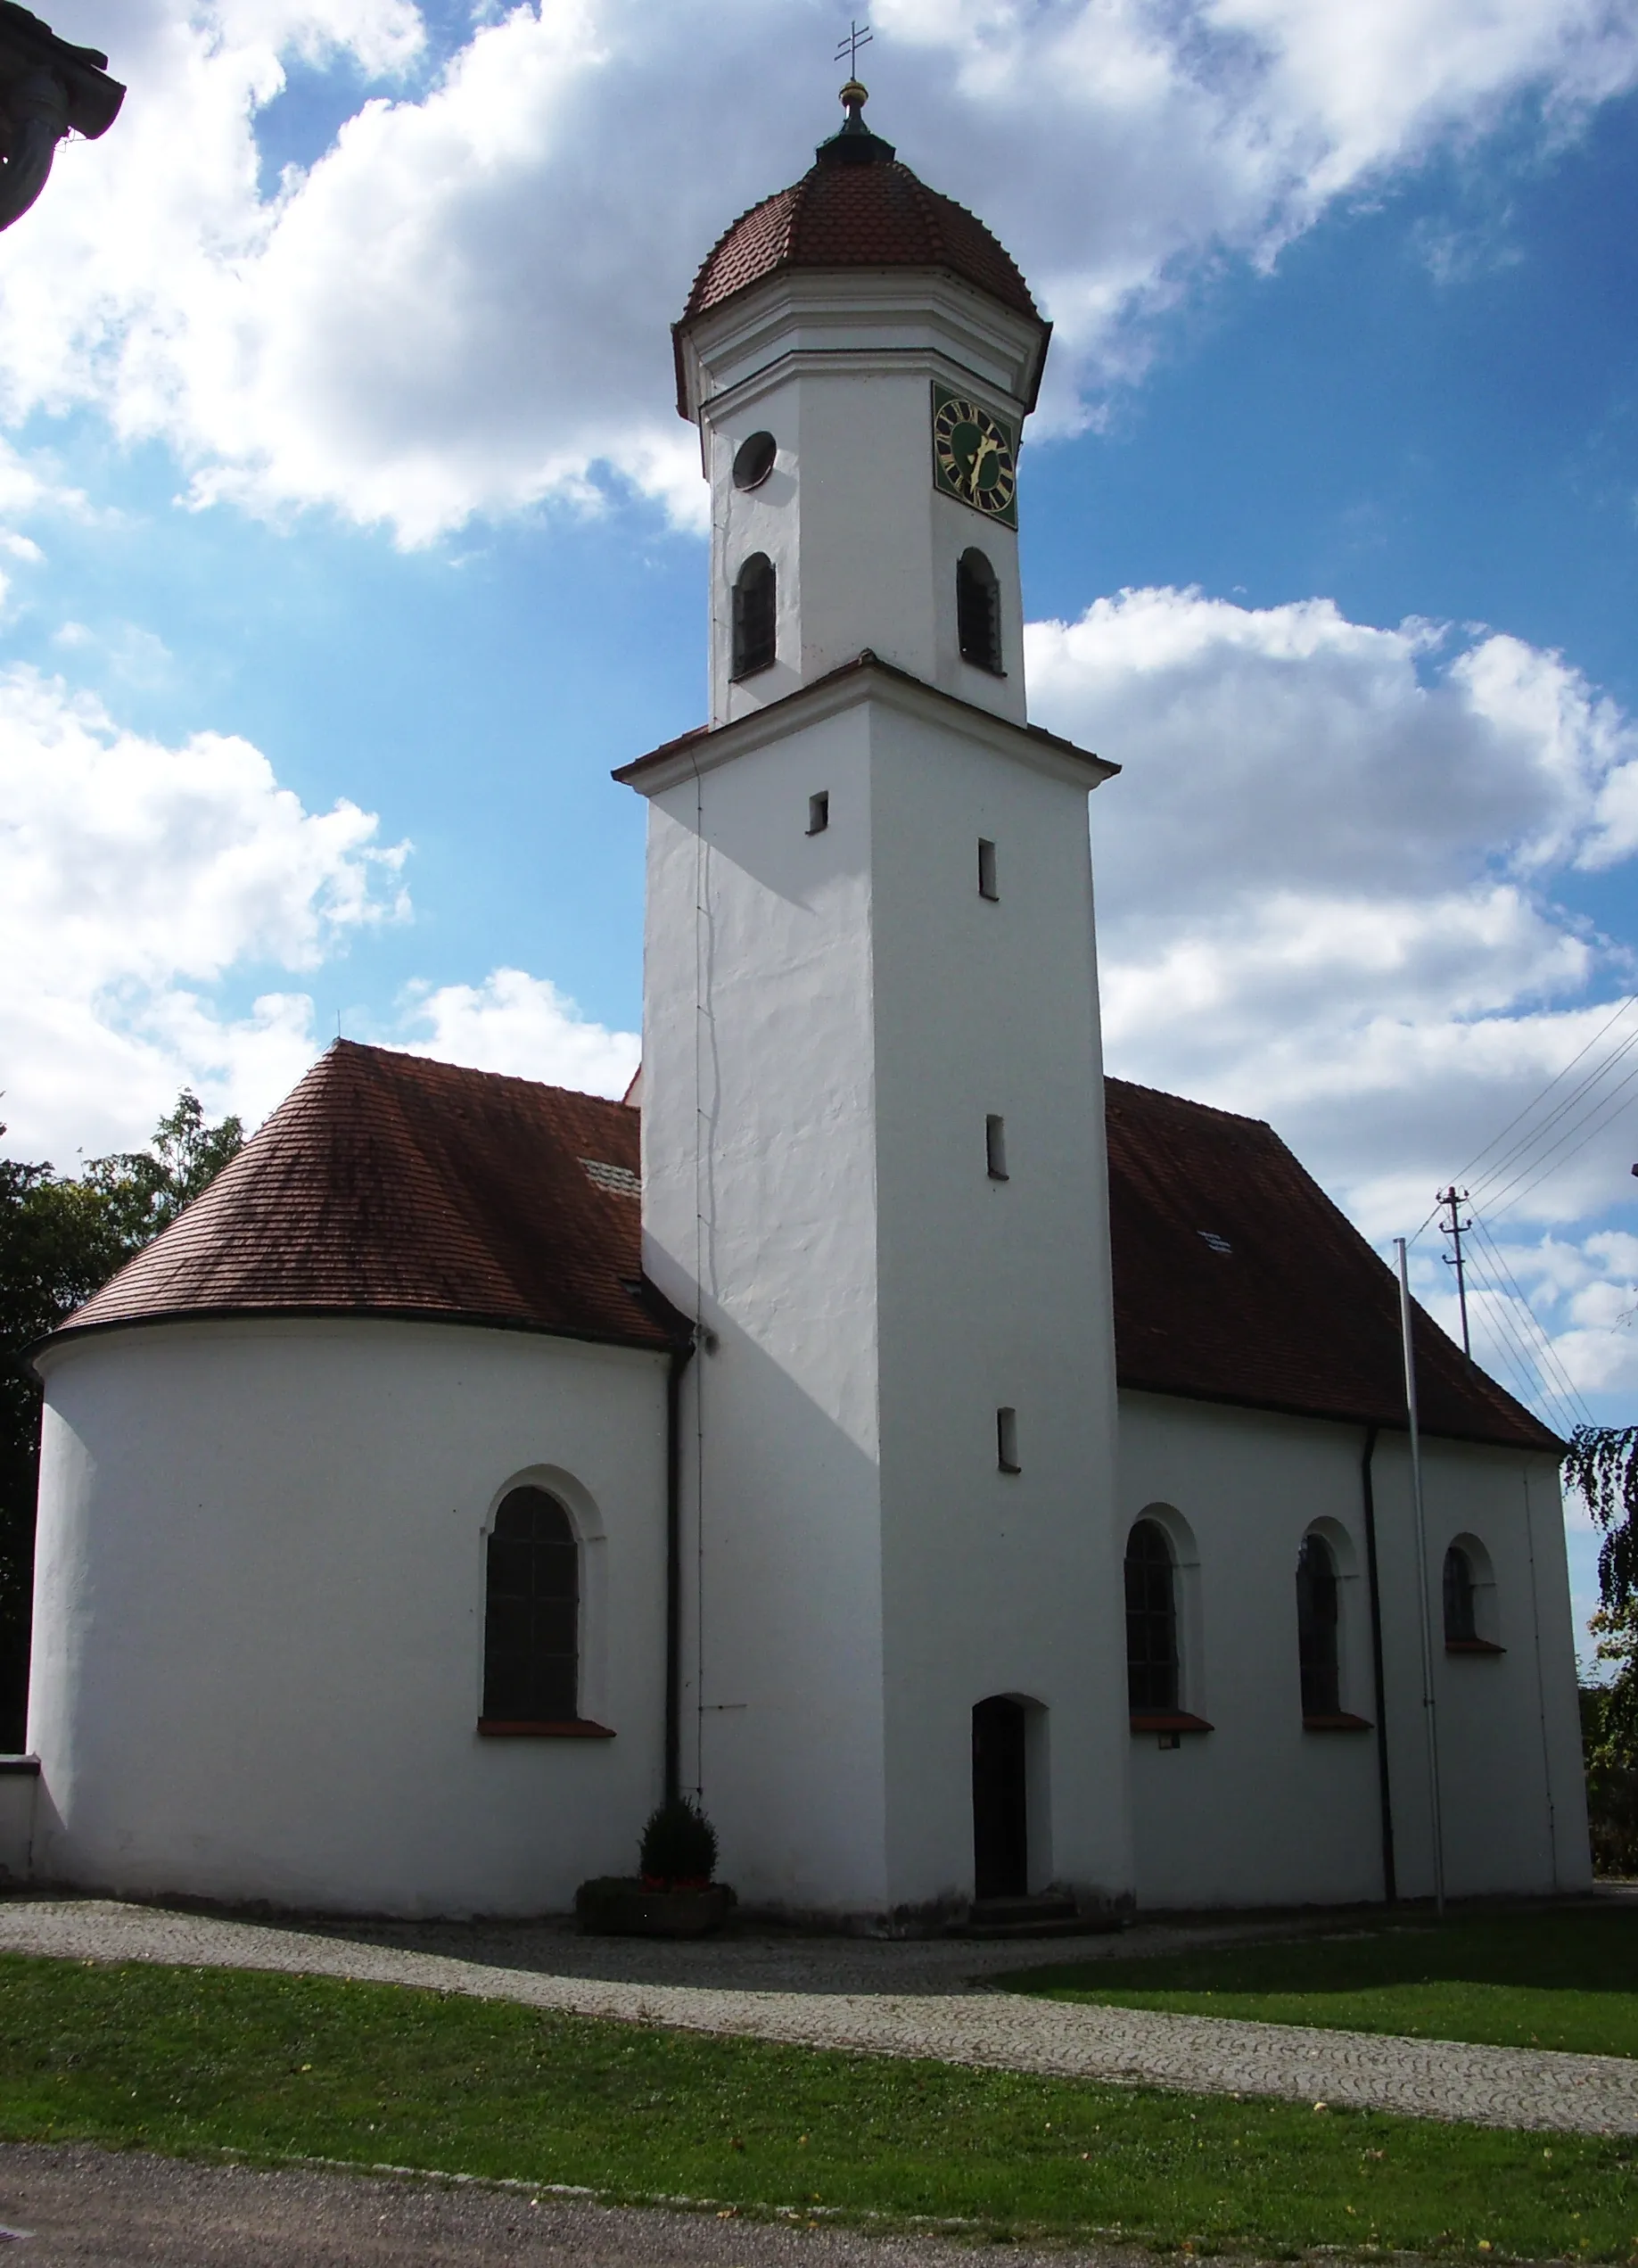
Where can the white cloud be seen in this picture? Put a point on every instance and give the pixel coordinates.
(523, 1026)
(460, 307)
(134, 877)
(139, 880)
(1324, 879)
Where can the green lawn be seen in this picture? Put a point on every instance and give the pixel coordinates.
(197, 2061)
(1548, 1980)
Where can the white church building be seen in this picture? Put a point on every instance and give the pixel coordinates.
(982, 1481)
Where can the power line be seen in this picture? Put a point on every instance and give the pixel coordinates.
(1509, 1344)
(1530, 1336)
(1568, 1393)
(1481, 1155)
(1518, 1155)
(1609, 1106)
(1577, 1093)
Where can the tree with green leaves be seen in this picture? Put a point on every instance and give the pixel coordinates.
(1602, 1466)
(60, 1239)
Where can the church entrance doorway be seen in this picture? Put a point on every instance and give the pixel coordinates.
(1000, 1799)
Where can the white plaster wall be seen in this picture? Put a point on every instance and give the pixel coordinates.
(993, 1292)
(258, 1647)
(1260, 1811)
(865, 550)
(1513, 1796)
(825, 1016)
(759, 1189)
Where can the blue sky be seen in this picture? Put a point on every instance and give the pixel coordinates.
(351, 539)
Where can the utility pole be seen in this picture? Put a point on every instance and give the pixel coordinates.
(1456, 1228)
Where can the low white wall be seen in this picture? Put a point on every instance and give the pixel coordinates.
(259, 1613)
(1261, 1811)
(19, 1785)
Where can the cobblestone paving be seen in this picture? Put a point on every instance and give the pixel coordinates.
(881, 1999)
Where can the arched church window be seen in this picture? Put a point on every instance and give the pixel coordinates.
(1460, 1617)
(1317, 1610)
(532, 1612)
(1151, 1620)
(978, 612)
(753, 615)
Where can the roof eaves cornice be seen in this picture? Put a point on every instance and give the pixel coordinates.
(865, 677)
(659, 1340)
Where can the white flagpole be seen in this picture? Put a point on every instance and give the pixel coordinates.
(1429, 1714)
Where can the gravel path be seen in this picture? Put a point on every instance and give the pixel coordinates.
(900, 2000)
(98, 2209)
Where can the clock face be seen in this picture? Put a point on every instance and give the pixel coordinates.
(975, 457)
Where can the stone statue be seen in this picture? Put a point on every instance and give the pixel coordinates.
(47, 89)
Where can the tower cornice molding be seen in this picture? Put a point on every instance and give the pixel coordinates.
(923, 359)
(865, 678)
(841, 313)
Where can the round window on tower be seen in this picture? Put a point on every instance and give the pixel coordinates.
(753, 460)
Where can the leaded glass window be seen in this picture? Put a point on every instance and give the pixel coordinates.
(532, 1612)
(1151, 1620)
(1317, 1629)
(1461, 1624)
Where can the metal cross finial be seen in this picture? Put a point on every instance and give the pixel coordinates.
(858, 35)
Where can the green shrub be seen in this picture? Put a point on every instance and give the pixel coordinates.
(680, 1844)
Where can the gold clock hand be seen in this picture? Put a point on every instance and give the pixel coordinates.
(988, 447)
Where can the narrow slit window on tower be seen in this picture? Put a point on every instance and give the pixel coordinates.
(819, 812)
(995, 1146)
(988, 886)
(1006, 1440)
(753, 615)
(978, 612)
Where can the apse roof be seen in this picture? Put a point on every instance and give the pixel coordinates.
(386, 1184)
(856, 206)
(389, 1186)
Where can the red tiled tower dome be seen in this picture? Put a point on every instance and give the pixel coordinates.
(857, 207)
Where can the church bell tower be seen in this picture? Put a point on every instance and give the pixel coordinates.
(872, 1091)
(862, 324)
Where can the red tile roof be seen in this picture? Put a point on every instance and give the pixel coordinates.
(390, 1185)
(858, 216)
(1296, 1314)
(848, 213)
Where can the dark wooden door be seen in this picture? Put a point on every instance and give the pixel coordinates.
(1000, 1806)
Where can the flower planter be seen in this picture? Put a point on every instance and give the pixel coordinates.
(625, 1906)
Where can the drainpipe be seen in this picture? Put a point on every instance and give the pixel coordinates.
(680, 1355)
(1390, 1886)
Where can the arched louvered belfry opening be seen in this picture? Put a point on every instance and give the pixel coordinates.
(1151, 1620)
(978, 612)
(755, 592)
(532, 1613)
(1317, 1610)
